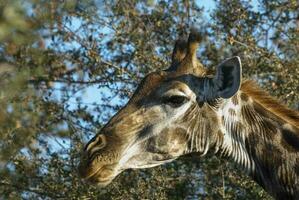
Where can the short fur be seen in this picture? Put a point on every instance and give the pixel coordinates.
(182, 110)
(263, 98)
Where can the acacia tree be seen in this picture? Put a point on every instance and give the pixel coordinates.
(53, 54)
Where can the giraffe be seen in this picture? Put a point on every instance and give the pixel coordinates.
(185, 109)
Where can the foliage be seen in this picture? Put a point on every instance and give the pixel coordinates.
(53, 54)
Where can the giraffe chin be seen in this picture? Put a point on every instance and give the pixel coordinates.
(101, 176)
(100, 181)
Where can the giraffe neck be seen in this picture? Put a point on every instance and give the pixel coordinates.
(260, 142)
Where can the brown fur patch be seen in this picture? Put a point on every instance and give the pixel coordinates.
(147, 85)
(237, 128)
(231, 112)
(248, 115)
(235, 100)
(265, 113)
(291, 140)
(213, 119)
(270, 128)
(252, 90)
(244, 97)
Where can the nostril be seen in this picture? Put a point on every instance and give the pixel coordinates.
(101, 141)
(95, 144)
(89, 144)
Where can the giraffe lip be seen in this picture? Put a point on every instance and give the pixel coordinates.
(100, 182)
(86, 171)
(101, 176)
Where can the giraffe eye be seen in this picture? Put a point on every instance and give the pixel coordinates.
(175, 100)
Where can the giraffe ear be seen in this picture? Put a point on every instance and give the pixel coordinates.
(228, 77)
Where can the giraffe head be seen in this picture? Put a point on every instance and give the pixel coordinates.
(172, 113)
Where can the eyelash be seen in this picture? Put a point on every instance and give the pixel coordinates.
(175, 100)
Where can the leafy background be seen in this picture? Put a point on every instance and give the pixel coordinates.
(67, 66)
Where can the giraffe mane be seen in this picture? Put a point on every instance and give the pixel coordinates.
(260, 96)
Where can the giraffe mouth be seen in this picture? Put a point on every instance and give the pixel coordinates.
(100, 176)
(99, 180)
